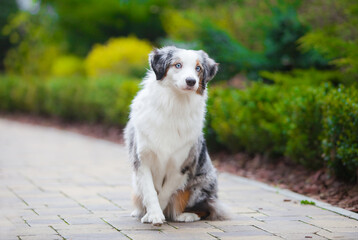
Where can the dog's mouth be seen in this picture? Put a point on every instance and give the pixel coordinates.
(187, 88)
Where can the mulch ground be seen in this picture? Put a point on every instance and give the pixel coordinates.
(319, 184)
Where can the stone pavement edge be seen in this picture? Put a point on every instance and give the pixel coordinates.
(56, 184)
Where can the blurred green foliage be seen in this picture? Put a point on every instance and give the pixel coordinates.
(36, 43)
(232, 56)
(281, 50)
(334, 34)
(248, 37)
(244, 36)
(7, 9)
(87, 23)
(308, 77)
(104, 99)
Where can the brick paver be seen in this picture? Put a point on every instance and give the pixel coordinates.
(60, 185)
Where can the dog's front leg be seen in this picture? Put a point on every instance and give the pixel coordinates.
(145, 183)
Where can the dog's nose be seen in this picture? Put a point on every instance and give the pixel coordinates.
(190, 82)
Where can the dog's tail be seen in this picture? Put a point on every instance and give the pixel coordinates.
(218, 211)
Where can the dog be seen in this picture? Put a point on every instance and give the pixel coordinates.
(173, 177)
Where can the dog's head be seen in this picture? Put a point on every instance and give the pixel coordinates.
(185, 70)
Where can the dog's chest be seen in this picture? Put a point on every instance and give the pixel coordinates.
(170, 133)
(170, 127)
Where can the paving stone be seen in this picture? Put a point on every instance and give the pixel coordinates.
(300, 236)
(333, 222)
(193, 225)
(244, 233)
(95, 236)
(246, 221)
(287, 227)
(247, 229)
(56, 184)
(36, 221)
(177, 235)
(79, 228)
(71, 210)
(338, 235)
(36, 237)
(34, 231)
(129, 223)
(87, 219)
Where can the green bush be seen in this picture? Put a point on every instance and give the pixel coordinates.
(25, 95)
(315, 126)
(304, 111)
(340, 132)
(248, 120)
(105, 99)
(62, 97)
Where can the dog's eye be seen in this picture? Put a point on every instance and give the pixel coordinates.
(198, 68)
(178, 65)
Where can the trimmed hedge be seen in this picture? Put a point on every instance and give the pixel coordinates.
(312, 126)
(315, 126)
(340, 132)
(104, 99)
(247, 120)
(304, 128)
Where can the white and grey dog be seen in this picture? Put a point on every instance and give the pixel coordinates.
(173, 177)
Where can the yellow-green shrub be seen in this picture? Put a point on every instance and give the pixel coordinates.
(125, 56)
(178, 26)
(67, 65)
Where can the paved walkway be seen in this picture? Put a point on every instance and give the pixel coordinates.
(60, 185)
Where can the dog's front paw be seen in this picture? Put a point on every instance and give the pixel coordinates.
(156, 218)
(187, 217)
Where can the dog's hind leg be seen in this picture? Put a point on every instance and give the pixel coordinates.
(187, 217)
(177, 206)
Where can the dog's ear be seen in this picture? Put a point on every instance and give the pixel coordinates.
(209, 65)
(160, 60)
